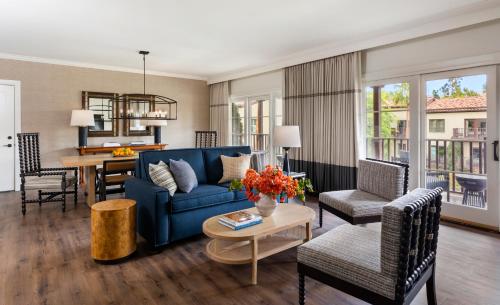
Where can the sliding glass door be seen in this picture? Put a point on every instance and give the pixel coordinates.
(253, 119)
(459, 114)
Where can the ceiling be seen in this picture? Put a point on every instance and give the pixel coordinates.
(218, 39)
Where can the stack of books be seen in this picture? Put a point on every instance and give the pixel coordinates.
(239, 220)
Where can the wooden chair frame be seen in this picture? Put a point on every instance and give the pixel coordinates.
(29, 160)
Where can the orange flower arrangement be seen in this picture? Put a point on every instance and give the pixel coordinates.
(271, 182)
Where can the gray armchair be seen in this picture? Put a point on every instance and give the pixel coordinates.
(379, 182)
(387, 268)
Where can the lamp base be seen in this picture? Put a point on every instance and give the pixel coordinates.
(157, 133)
(83, 133)
(286, 163)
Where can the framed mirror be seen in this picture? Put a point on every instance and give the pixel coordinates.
(105, 110)
(137, 106)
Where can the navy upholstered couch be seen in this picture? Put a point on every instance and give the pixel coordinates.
(162, 219)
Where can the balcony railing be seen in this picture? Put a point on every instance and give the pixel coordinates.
(444, 156)
(469, 133)
(258, 141)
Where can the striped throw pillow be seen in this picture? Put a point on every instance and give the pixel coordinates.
(160, 175)
(234, 167)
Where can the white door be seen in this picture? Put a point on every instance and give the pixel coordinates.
(460, 124)
(7, 138)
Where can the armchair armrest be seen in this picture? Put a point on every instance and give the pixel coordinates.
(153, 205)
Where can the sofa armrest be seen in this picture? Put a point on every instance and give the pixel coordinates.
(152, 210)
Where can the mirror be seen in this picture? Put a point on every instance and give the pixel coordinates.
(137, 106)
(105, 110)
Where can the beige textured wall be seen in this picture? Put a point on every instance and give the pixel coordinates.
(50, 92)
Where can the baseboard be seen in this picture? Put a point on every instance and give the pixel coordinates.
(470, 224)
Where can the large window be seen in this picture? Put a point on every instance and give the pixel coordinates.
(253, 119)
(387, 128)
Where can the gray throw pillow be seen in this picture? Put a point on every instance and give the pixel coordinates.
(184, 175)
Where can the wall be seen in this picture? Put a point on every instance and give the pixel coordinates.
(264, 83)
(471, 46)
(49, 93)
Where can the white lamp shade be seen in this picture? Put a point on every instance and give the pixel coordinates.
(82, 118)
(286, 136)
(154, 122)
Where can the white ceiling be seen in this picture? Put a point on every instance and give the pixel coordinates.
(218, 39)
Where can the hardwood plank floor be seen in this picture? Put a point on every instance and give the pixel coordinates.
(45, 259)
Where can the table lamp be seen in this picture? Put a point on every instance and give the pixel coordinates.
(286, 137)
(83, 119)
(157, 124)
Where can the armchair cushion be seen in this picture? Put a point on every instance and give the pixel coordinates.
(354, 203)
(382, 179)
(52, 182)
(349, 253)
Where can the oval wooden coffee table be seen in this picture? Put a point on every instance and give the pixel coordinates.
(288, 227)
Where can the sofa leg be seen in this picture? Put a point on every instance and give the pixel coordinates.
(431, 288)
(301, 289)
(320, 217)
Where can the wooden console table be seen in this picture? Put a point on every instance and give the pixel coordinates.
(92, 150)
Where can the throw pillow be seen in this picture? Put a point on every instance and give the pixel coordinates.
(160, 175)
(234, 167)
(184, 175)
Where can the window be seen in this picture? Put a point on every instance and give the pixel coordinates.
(253, 119)
(387, 126)
(436, 125)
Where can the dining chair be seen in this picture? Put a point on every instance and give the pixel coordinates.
(112, 176)
(51, 184)
(381, 268)
(205, 139)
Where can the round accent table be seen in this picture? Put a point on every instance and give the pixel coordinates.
(113, 229)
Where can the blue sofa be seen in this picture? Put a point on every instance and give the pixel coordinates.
(161, 218)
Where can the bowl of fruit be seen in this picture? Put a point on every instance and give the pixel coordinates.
(123, 152)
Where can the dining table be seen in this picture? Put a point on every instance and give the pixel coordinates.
(89, 163)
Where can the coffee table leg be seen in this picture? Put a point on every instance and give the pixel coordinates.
(255, 252)
(308, 231)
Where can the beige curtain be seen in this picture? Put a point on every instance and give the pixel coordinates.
(219, 112)
(322, 97)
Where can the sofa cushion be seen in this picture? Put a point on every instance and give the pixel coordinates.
(202, 196)
(192, 156)
(213, 163)
(234, 167)
(161, 176)
(184, 175)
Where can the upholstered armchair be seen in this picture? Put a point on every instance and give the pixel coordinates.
(51, 184)
(388, 267)
(379, 182)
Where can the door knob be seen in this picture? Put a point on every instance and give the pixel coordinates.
(9, 138)
(8, 145)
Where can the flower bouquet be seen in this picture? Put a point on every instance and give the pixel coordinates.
(269, 187)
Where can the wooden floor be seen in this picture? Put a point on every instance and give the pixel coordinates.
(45, 259)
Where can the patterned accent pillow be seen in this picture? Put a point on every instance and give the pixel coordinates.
(234, 167)
(160, 175)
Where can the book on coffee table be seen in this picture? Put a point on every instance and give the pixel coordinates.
(239, 220)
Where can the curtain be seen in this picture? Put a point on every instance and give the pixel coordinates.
(322, 98)
(219, 112)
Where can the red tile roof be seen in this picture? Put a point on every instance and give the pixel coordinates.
(460, 104)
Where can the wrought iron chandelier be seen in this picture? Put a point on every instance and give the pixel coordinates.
(146, 107)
